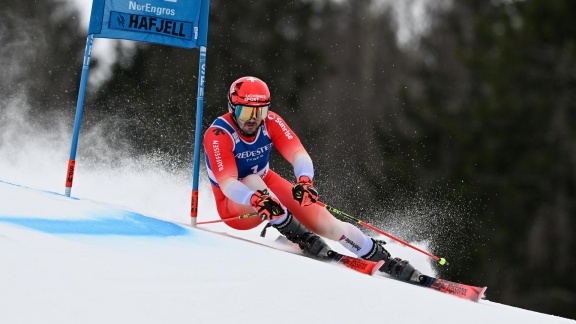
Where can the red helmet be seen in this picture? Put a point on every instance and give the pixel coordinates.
(248, 91)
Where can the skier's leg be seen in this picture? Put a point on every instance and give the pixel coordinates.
(290, 227)
(229, 209)
(396, 267)
(314, 217)
(309, 242)
(319, 220)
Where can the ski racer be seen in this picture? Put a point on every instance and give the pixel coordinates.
(238, 146)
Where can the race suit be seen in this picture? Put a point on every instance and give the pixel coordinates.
(231, 156)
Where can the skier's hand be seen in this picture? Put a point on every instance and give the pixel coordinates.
(268, 207)
(304, 192)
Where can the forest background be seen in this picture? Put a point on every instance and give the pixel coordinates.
(446, 121)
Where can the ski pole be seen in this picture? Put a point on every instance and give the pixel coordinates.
(228, 219)
(333, 210)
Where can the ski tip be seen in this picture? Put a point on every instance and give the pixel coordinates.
(482, 294)
(376, 267)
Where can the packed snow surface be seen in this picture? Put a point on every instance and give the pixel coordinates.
(70, 260)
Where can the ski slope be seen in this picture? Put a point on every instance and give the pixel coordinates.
(69, 260)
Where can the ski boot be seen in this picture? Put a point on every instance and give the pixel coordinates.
(308, 242)
(396, 267)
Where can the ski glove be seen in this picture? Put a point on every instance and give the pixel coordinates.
(268, 207)
(304, 192)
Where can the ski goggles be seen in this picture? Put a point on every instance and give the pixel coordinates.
(246, 113)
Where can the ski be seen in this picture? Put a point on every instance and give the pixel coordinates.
(354, 263)
(452, 288)
(360, 265)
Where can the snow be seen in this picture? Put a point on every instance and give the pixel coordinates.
(70, 260)
(120, 251)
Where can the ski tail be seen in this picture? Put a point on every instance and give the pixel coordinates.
(457, 289)
(357, 264)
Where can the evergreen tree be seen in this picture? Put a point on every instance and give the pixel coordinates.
(497, 116)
